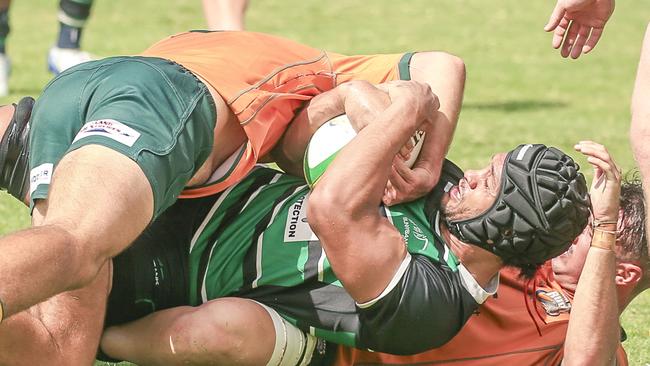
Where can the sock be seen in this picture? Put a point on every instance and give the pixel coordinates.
(72, 18)
(69, 37)
(4, 28)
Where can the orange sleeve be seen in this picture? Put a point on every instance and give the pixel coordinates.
(372, 68)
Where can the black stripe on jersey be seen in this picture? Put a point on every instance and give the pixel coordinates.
(312, 304)
(438, 240)
(314, 252)
(249, 267)
(231, 214)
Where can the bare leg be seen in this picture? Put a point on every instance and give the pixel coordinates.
(225, 14)
(225, 331)
(99, 202)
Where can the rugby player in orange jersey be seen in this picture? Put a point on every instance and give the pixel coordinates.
(567, 314)
(120, 138)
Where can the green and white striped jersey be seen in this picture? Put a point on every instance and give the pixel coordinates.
(255, 242)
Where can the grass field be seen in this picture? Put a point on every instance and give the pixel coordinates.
(518, 88)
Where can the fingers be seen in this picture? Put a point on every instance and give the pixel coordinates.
(401, 176)
(436, 101)
(405, 151)
(400, 182)
(559, 33)
(593, 40)
(570, 39)
(608, 169)
(583, 34)
(556, 17)
(599, 157)
(390, 194)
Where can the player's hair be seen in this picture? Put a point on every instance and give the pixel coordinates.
(632, 238)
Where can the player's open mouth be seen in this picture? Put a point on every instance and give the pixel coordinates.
(454, 193)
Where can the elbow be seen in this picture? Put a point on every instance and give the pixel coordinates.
(331, 211)
(436, 63)
(455, 65)
(322, 205)
(588, 360)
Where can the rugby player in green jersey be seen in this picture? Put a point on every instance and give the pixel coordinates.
(399, 279)
(411, 283)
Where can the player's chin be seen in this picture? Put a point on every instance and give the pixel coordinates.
(444, 202)
(450, 208)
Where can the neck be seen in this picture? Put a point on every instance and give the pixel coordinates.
(626, 294)
(566, 281)
(482, 264)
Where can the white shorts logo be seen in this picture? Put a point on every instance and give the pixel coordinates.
(109, 128)
(42, 174)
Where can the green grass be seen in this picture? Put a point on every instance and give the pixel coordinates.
(518, 88)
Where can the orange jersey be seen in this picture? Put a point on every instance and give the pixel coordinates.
(524, 324)
(264, 79)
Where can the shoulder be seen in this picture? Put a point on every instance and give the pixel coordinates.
(424, 309)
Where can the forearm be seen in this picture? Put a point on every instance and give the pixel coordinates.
(358, 176)
(289, 151)
(343, 207)
(446, 76)
(640, 126)
(361, 101)
(593, 332)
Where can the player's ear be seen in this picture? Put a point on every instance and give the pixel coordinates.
(628, 274)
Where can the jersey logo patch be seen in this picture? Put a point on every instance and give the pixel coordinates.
(297, 228)
(41, 174)
(413, 234)
(554, 302)
(110, 128)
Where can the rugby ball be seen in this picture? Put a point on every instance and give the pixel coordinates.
(330, 138)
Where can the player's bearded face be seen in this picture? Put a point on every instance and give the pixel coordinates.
(476, 192)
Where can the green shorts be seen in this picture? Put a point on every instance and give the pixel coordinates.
(152, 110)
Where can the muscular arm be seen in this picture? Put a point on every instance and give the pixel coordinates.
(594, 329)
(361, 101)
(444, 73)
(343, 207)
(640, 127)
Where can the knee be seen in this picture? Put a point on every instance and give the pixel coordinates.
(81, 257)
(221, 332)
(438, 62)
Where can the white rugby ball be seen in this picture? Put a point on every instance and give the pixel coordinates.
(330, 138)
